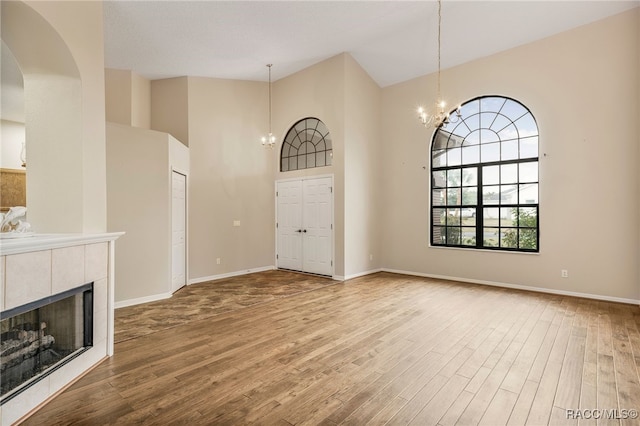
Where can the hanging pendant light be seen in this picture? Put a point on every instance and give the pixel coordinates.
(269, 141)
(438, 117)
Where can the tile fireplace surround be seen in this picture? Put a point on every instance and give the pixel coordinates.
(36, 267)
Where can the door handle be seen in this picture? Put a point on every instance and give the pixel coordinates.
(304, 230)
(299, 230)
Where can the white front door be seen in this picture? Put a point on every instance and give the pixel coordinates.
(304, 225)
(178, 230)
(316, 226)
(289, 226)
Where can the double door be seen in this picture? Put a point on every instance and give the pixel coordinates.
(305, 225)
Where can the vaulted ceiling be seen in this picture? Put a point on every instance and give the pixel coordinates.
(392, 40)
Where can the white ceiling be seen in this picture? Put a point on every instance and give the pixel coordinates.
(393, 40)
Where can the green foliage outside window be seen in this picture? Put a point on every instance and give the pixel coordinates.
(527, 223)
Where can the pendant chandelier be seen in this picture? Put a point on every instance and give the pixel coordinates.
(269, 141)
(439, 116)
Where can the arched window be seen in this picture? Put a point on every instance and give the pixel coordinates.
(484, 178)
(306, 145)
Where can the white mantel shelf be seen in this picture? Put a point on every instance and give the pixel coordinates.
(39, 242)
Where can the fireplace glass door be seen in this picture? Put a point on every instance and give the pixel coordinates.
(39, 337)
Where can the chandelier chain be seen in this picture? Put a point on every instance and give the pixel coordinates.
(439, 116)
(269, 65)
(269, 141)
(439, 43)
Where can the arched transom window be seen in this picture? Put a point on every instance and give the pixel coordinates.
(484, 178)
(306, 145)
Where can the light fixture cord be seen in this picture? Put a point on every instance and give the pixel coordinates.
(439, 25)
(269, 65)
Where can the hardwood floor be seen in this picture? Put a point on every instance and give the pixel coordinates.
(211, 298)
(379, 349)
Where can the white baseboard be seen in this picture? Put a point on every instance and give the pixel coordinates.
(361, 274)
(519, 287)
(155, 297)
(161, 296)
(141, 300)
(231, 274)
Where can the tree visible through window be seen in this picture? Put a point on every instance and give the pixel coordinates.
(484, 178)
(306, 145)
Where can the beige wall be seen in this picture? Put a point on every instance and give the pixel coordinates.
(59, 46)
(170, 107)
(140, 101)
(638, 125)
(137, 170)
(232, 176)
(381, 186)
(317, 91)
(81, 26)
(139, 163)
(231, 179)
(117, 87)
(584, 95)
(128, 98)
(361, 171)
(12, 129)
(12, 135)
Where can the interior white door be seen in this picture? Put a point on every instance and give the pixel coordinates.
(178, 228)
(304, 225)
(316, 226)
(289, 225)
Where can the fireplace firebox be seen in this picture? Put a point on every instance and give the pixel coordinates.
(41, 336)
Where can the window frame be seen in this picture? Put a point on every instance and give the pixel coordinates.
(313, 126)
(526, 226)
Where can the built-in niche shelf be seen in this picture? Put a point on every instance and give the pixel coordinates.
(13, 188)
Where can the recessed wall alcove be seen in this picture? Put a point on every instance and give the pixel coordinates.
(53, 119)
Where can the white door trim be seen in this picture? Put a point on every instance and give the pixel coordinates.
(174, 287)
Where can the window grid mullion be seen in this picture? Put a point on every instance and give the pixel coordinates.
(513, 210)
(479, 211)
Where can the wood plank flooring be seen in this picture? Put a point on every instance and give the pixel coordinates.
(211, 298)
(380, 349)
